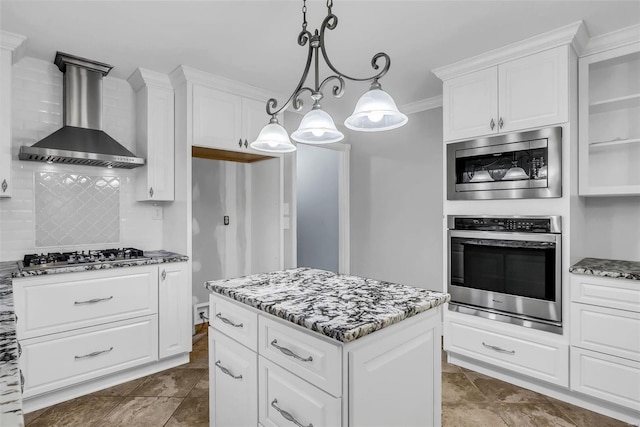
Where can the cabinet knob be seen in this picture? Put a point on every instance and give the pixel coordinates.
(246, 144)
(4, 185)
(492, 124)
(21, 381)
(501, 123)
(164, 274)
(240, 143)
(151, 192)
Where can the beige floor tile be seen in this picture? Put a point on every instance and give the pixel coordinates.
(124, 389)
(585, 418)
(448, 367)
(458, 388)
(201, 389)
(500, 391)
(174, 382)
(81, 412)
(532, 415)
(33, 415)
(470, 414)
(141, 412)
(192, 412)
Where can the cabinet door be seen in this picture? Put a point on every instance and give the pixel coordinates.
(534, 91)
(254, 118)
(217, 119)
(5, 123)
(174, 310)
(233, 383)
(470, 105)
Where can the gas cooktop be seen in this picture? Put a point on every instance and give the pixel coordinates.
(61, 259)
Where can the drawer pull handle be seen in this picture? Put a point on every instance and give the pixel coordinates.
(93, 301)
(95, 353)
(290, 353)
(287, 416)
(229, 322)
(498, 349)
(228, 372)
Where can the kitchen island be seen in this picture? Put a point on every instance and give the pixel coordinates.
(324, 349)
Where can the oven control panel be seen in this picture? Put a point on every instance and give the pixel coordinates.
(513, 224)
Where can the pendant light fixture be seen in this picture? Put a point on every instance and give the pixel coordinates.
(375, 111)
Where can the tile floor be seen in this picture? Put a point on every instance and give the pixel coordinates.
(179, 397)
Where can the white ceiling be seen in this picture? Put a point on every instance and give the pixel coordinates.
(256, 41)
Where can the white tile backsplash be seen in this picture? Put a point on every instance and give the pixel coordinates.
(36, 113)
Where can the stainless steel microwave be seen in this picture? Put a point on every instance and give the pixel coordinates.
(525, 165)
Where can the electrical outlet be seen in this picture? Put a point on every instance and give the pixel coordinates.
(198, 309)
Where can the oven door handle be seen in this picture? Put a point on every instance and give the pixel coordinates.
(498, 235)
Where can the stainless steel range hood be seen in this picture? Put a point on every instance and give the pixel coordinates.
(81, 141)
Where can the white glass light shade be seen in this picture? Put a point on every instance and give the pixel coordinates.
(317, 127)
(481, 176)
(375, 111)
(273, 138)
(515, 173)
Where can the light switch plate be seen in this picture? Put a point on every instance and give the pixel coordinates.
(157, 212)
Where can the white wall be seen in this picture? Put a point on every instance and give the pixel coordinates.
(36, 113)
(396, 202)
(613, 227)
(317, 206)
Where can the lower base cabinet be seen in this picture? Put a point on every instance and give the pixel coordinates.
(286, 375)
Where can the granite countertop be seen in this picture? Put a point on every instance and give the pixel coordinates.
(152, 257)
(10, 389)
(341, 307)
(608, 268)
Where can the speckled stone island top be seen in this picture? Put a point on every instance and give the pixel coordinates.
(608, 268)
(10, 389)
(341, 307)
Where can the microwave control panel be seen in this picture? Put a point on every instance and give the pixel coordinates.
(520, 224)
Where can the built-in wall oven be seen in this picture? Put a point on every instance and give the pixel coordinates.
(507, 269)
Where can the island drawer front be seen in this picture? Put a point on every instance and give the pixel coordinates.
(610, 378)
(611, 331)
(622, 294)
(312, 358)
(59, 360)
(547, 361)
(294, 397)
(233, 382)
(55, 303)
(235, 321)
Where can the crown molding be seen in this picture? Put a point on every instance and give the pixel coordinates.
(621, 37)
(142, 77)
(422, 105)
(574, 34)
(10, 41)
(185, 74)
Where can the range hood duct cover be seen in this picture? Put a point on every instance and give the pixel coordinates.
(81, 141)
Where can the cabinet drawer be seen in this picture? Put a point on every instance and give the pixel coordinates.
(233, 384)
(282, 395)
(547, 361)
(55, 303)
(616, 332)
(310, 357)
(59, 360)
(610, 378)
(235, 321)
(613, 293)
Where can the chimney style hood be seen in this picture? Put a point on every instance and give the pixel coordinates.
(81, 141)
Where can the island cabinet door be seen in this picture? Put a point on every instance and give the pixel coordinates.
(233, 383)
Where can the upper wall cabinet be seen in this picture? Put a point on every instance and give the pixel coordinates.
(609, 112)
(520, 94)
(154, 135)
(8, 43)
(225, 121)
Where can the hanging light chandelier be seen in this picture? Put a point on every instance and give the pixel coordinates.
(375, 110)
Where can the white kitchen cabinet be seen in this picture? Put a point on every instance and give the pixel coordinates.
(389, 377)
(8, 43)
(174, 309)
(226, 121)
(605, 339)
(524, 93)
(609, 112)
(154, 135)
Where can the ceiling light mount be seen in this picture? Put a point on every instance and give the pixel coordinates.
(375, 111)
